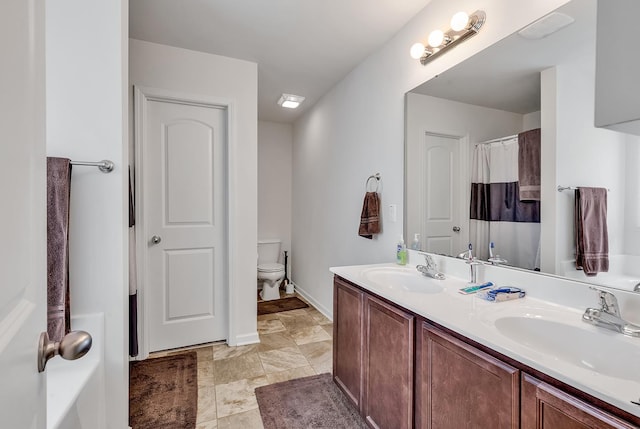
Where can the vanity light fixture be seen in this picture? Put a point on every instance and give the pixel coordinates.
(463, 27)
(290, 101)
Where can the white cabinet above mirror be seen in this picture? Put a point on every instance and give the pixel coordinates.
(618, 66)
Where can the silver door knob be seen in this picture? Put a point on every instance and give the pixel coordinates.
(156, 239)
(72, 346)
(456, 229)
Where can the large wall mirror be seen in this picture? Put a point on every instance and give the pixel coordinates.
(463, 125)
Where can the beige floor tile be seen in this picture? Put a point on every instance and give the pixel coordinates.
(205, 373)
(291, 313)
(290, 374)
(206, 404)
(319, 355)
(270, 326)
(271, 316)
(325, 368)
(309, 334)
(294, 344)
(292, 323)
(318, 317)
(237, 368)
(329, 329)
(247, 420)
(282, 359)
(277, 340)
(238, 396)
(212, 424)
(227, 352)
(219, 345)
(205, 353)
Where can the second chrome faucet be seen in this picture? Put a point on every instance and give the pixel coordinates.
(429, 269)
(608, 315)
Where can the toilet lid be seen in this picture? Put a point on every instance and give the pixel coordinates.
(270, 268)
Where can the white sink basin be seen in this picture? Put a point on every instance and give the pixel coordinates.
(402, 279)
(605, 352)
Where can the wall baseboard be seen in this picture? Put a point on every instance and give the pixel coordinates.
(246, 339)
(328, 314)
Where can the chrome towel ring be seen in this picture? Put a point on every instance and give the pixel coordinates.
(375, 177)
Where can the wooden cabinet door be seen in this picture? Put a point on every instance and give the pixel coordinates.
(459, 386)
(347, 339)
(388, 366)
(545, 407)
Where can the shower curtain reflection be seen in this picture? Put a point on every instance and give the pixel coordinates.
(496, 212)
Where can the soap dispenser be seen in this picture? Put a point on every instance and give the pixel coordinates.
(401, 252)
(415, 244)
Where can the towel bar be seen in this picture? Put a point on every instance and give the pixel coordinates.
(571, 188)
(105, 165)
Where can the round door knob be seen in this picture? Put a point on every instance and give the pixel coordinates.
(72, 346)
(156, 239)
(456, 229)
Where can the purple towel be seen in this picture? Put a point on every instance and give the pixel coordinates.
(58, 196)
(592, 239)
(529, 165)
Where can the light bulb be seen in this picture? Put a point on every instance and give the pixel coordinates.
(459, 21)
(416, 51)
(436, 38)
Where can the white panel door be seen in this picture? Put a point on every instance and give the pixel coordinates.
(23, 275)
(184, 159)
(440, 157)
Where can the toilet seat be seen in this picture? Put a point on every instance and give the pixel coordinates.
(270, 268)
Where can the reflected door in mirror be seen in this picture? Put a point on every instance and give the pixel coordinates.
(440, 158)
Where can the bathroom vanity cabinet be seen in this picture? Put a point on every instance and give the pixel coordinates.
(387, 400)
(459, 386)
(373, 356)
(545, 407)
(455, 383)
(348, 339)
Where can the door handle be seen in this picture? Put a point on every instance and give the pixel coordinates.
(456, 229)
(156, 239)
(72, 346)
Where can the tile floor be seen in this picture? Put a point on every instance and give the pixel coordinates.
(293, 344)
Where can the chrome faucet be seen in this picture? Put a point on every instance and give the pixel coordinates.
(472, 262)
(608, 315)
(430, 268)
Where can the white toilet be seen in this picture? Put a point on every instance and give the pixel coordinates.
(270, 272)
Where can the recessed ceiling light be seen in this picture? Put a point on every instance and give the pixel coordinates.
(290, 101)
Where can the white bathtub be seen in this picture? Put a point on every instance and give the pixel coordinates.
(76, 389)
(624, 272)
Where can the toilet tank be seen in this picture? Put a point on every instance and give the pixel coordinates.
(268, 251)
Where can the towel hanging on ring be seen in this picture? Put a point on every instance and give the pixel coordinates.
(370, 216)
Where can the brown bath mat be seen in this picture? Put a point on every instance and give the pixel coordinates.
(310, 402)
(163, 392)
(278, 305)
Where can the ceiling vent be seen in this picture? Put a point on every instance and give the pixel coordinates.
(546, 25)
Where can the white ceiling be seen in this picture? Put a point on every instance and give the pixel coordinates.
(302, 47)
(506, 76)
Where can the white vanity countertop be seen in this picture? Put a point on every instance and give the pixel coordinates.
(598, 361)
